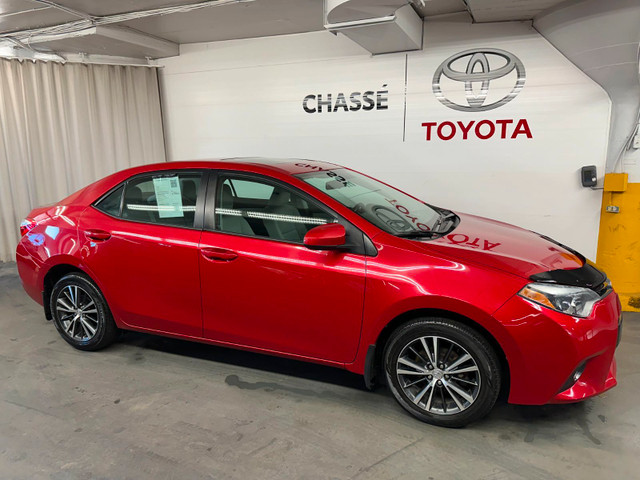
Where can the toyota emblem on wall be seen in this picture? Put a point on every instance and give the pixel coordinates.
(481, 69)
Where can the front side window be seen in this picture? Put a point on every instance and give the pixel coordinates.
(163, 199)
(253, 207)
(384, 206)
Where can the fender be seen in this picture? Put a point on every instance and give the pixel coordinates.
(56, 260)
(53, 262)
(428, 305)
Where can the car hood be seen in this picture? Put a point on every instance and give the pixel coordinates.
(503, 246)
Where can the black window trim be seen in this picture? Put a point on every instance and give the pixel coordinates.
(198, 221)
(361, 244)
(95, 203)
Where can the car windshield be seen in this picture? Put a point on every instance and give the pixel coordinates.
(384, 206)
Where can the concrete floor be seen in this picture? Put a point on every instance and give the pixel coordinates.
(154, 408)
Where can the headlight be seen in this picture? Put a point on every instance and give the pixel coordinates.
(575, 301)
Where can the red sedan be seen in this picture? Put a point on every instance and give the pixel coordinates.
(317, 262)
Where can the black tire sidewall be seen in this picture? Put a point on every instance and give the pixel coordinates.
(467, 338)
(106, 328)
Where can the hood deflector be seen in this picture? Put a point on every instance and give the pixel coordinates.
(587, 276)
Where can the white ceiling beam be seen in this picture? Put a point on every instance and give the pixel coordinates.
(102, 34)
(157, 47)
(133, 42)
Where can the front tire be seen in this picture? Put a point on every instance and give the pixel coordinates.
(442, 372)
(81, 314)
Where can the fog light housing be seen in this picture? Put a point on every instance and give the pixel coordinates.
(573, 378)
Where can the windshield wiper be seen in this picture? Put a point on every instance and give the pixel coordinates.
(443, 217)
(418, 234)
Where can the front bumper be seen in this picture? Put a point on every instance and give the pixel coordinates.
(549, 346)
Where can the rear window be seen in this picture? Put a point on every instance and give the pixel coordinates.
(162, 199)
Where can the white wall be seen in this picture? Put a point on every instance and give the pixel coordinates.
(602, 39)
(244, 98)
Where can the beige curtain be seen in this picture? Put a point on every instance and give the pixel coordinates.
(63, 126)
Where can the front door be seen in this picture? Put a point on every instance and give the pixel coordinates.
(261, 287)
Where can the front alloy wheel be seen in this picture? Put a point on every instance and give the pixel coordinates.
(442, 371)
(438, 375)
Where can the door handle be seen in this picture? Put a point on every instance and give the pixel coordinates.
(211, 253)
(97, 235)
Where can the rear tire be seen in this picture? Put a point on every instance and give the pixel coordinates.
(442, 372)
(81, 314)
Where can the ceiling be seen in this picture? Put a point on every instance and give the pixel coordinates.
(88, 29)
(260, 18)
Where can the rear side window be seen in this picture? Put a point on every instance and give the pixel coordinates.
(162, 199)
(111, 203)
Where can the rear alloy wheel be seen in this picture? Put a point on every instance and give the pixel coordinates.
(442, 372)
(81, 314)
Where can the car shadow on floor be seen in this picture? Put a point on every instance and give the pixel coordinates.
(243, 358)
(533, 419)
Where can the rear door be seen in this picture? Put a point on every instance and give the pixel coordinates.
(261, 287)
(141, 244)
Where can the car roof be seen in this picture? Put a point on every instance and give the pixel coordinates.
(279, 166)
(291, 166)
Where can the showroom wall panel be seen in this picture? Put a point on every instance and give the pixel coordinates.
(517, 161)
(63, 126)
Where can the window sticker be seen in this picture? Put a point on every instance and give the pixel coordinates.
(168, 197)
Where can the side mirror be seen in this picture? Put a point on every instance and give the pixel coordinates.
(326, 237)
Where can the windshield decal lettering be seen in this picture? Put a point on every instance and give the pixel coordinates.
(405, 211)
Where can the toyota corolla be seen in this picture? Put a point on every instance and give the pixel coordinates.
(317, 262)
